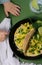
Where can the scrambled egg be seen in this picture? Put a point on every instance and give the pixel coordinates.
(35, 46)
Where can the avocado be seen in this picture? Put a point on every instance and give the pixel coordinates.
(35, 4)
(40, 31)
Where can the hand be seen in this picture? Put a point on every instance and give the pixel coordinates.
(3, 35)
(11, 8)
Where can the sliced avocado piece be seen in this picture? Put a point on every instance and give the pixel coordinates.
(40, 31)
(35, 4)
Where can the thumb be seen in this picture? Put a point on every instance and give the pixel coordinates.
(6, 13)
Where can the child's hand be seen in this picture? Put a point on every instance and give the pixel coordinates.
(11, 8)
(3, 35)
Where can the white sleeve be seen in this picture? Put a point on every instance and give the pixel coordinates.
(3, 1)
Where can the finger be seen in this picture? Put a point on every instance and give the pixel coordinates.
(6, 13)
(17, 13)
(13, 12)
(17, 6)
(17, 10)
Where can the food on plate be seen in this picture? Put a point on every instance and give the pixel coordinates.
(27, 39)
(35, 4)
(35, 43)
(40, 31)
